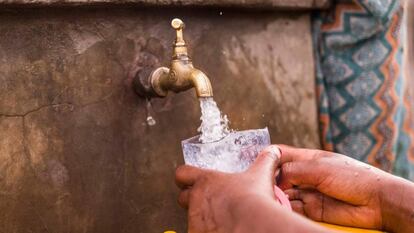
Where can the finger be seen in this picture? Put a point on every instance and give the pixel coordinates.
(312, 202)
(302, 173)
(290, 154)
(293, 194)
(184, 197)
(187, 175)
(283, 184)
(297, 206)
(267, 161)
(320, 207)
(342, 213)
(196, 211)
(329, 178)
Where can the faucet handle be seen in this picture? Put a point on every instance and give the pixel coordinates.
(178, 25)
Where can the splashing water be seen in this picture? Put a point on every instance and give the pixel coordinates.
(233, 153)
(214, 125)
(219, 148)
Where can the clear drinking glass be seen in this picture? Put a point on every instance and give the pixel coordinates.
(234, 153)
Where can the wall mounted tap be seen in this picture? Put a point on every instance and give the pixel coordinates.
(181, 75)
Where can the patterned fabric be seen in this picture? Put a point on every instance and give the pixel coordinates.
(363, 97)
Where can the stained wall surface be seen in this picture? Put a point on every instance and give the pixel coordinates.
(279, 4)
(76, 153)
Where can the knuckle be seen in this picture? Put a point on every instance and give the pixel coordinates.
(287, 169)
(180, 171)
(273, 152)
(268, 156)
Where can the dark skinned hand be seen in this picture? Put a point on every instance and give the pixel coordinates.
(243, 202)
(334, 188)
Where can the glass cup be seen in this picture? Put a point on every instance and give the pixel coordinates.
(233, 153)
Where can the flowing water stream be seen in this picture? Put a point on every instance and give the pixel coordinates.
(214, 126)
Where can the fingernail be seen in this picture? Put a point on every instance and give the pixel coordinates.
(274, 150)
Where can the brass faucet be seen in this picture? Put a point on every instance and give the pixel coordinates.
(181, 75)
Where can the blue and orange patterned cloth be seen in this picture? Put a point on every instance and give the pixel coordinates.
(362, 93)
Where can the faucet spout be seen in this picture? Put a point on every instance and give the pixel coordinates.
(180, 78)
(201, 84)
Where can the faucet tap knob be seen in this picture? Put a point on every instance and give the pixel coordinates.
(180, 48)
(178, 25)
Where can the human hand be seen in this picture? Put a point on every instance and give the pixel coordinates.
(242, 202)
(333, 188)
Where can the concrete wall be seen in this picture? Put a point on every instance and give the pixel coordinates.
(269, 4)
(76, 154)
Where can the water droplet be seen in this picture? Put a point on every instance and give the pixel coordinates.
(347, 162)
(151, 121)
(378, 178)
(221, 13)
(356, 174)
(368, 167)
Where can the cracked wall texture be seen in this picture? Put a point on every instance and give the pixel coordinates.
(76, 154)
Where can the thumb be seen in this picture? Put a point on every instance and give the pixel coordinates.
(267, 161)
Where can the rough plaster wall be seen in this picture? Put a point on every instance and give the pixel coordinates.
(75, 152)
(280, 4)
